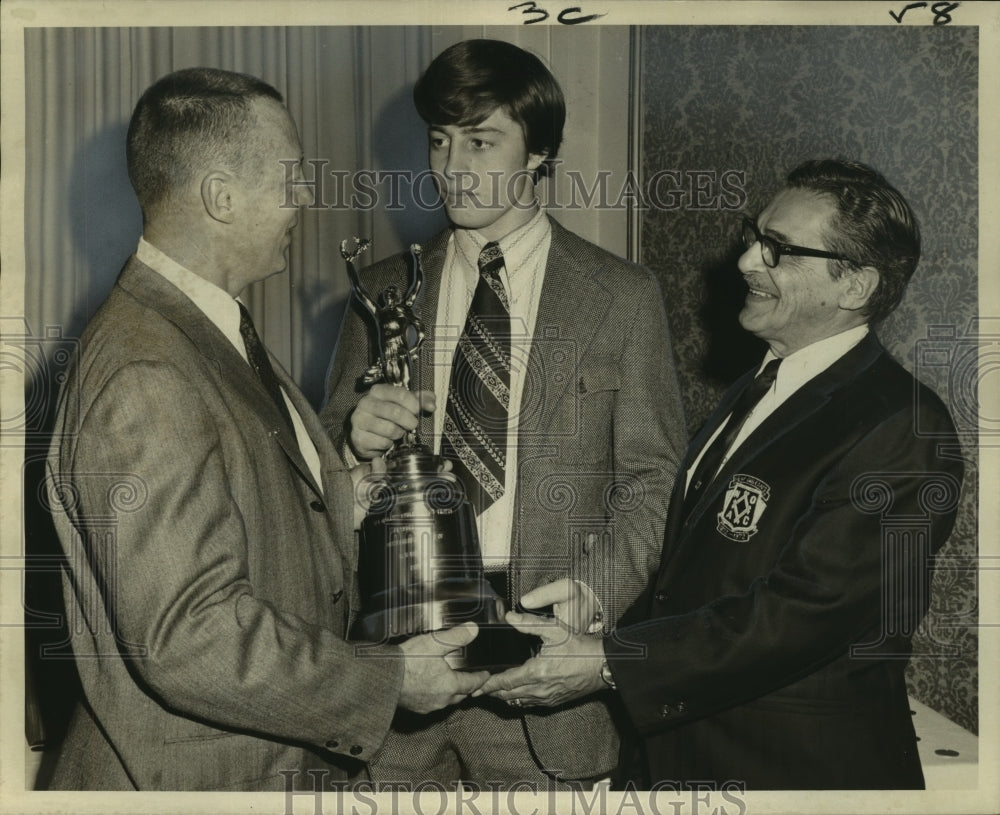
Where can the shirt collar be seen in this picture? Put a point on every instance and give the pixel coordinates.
(213, 302)
(802, 365)
(517, 246)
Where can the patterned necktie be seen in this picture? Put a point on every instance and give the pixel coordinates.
(710, 462)
(257, 355)
(475, 422)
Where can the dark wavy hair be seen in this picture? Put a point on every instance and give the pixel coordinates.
(468, 81)
(186, 121)
(873, 226)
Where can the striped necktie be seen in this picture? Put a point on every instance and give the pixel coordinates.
(475, 423)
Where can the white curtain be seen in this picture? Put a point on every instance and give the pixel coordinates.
(348, 88)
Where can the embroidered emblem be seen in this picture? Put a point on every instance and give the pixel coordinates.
(745, 501)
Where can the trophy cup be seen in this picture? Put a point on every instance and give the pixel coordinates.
(419, 564)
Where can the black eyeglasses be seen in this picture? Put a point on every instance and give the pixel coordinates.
(771, 250)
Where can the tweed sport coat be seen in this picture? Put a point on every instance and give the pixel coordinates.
(774, 638)
(599, 437)
(207, 580)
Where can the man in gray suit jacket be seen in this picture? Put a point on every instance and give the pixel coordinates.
(206, 520)
(570, 479)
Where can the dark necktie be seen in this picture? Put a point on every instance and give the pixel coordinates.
(475, 422)
(712, 459)
(257, 355)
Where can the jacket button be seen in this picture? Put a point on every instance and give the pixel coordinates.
(681, 707)
(332, 744)
(317, 506)
(356, 749)
(661, 597)
(666, 711)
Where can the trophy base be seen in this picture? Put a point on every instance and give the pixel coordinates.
(497, 647)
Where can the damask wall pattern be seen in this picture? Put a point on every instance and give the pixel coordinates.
(727, 111)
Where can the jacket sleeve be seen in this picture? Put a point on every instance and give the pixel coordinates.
(177, 586)
(821, 595)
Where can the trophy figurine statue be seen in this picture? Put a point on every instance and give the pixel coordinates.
(420, 566)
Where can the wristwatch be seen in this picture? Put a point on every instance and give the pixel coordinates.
(606, 675)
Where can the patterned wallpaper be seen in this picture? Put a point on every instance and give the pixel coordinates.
(727, 112)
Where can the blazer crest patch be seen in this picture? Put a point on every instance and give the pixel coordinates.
(745, 501)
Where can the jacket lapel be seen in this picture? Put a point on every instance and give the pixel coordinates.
(811, 397)
(432, 263)
(315, 431)
(675, 512)
(162, 296)
(717, 417)
(572, 307)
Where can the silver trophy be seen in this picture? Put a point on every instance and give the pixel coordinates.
(420, 566)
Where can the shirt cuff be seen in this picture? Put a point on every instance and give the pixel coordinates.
(597, 621)
(350, 459)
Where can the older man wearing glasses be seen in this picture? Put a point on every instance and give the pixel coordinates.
(769, 650)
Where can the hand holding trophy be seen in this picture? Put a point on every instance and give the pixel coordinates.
(420, 565)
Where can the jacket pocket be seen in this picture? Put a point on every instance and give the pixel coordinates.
(594, 397)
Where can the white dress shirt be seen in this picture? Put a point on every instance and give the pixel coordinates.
(224, 313)
(525, 252)
(795, 370)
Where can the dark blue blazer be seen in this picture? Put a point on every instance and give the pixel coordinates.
(769, 650)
